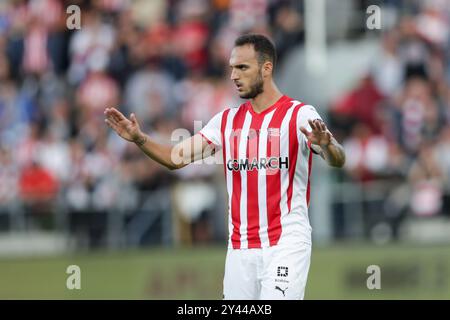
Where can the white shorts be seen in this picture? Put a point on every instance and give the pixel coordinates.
(273, 273)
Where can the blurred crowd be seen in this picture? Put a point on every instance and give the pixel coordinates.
(167, 61)
(394, 123)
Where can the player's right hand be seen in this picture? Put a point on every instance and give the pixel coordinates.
(128, 129)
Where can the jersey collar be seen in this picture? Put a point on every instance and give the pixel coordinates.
(279, 102)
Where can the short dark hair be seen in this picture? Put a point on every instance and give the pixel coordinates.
(263, 47)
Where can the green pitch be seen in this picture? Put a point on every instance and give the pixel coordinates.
(338, 272)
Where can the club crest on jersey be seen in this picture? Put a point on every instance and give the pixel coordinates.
(262, 163)
(273, 132)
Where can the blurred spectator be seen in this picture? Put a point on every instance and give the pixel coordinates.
(191, 33)
(419, 118)
(369, 153)
(361, 104)
(288, 28)
(413, 50)
(148, 93)
(77, 187)
(37, 186)
(35, 56)
(90, 46)
(248, 15)
(53, 155)
(146, 13)
(200, 99)
(27, 147)
(387, 69)
(97, 91)
(432, 22)
(427, 181)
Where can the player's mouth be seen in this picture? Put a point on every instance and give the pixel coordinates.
(239, 86)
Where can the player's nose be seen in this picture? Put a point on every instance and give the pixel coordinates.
(234, 75)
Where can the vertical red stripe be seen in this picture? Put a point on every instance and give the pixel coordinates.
(252, 184)
(293, 151)
(273, 178)
(309, 174)
(235, 136)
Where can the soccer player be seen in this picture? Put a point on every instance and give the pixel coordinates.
(267, 145)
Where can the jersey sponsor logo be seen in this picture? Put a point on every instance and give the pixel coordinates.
(262, 163)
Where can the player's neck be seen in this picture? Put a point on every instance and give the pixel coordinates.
(266, 99)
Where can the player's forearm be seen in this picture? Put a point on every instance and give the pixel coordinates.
(334, 154)
(163, 154)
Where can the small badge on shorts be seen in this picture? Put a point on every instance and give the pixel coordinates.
(282, 271)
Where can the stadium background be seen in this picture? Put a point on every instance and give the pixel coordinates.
(72, 193)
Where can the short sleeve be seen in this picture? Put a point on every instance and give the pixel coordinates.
(307, 112)
(211, 132)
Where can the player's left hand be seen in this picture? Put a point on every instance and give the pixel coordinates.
(319, 135)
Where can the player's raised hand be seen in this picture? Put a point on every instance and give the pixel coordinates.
(319, 134)
(128, 129)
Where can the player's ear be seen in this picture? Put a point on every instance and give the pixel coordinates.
(267, 69)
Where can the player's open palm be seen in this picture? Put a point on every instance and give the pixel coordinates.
(128, 129)
(319, 134)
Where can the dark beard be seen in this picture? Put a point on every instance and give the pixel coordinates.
(256, 88)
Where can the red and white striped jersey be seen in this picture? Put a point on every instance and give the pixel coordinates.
(267, 163)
